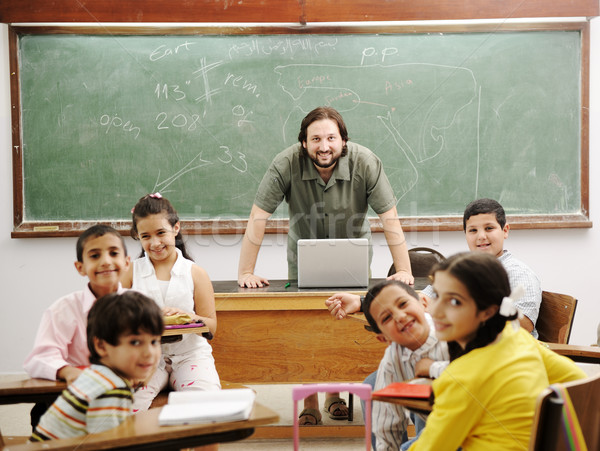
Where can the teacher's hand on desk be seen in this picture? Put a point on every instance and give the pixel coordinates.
(250, 280)
(342, 304)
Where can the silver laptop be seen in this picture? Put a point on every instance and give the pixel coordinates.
(335, 263)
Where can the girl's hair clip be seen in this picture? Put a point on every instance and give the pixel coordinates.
(156, 195)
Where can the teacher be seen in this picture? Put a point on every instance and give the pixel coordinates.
(328, 183)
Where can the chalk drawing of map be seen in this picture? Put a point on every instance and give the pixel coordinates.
(417, 104)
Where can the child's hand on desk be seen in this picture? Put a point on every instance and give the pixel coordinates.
(68, 373)
(342, 304)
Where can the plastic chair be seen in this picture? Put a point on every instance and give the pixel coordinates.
(362, 390)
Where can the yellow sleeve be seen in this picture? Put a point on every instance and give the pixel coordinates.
(559, 368)
(455, 412)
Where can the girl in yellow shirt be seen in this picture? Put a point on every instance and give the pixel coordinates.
(485, 398)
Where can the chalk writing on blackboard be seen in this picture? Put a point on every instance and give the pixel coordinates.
(200, 117)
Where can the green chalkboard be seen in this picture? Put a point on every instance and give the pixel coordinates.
(107, 118)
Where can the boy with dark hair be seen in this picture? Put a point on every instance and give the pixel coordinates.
(398, 316)
(123, 336)
(485, 227)
(60, 347)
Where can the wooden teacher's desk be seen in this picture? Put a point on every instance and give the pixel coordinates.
(279, 334)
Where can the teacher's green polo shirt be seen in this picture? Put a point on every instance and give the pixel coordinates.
(337, 209)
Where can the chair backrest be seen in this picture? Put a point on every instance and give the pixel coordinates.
(547, 433)
(555, 317)
(422, 260)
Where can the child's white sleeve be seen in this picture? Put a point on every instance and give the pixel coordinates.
(436, 368)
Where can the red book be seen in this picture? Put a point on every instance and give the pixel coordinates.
(405, 390)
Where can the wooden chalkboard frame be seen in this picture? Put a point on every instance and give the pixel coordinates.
(285, 11)
(23, 228)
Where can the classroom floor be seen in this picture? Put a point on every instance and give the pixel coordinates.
(312, 444)
(279, 398)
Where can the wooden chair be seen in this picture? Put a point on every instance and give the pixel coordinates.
(548, 434)
(556, 317)
(422, 260)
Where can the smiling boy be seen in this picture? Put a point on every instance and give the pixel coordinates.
(123, 338)
(485, 227)
(397, 315)
(60, 346)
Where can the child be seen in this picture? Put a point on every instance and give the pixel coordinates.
(398, 317)
(485, 227)
(485, 398)
(167, 274)
(60, 346)
(123, 338)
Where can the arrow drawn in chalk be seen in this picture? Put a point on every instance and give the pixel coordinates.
(197, 163)
(393, 108)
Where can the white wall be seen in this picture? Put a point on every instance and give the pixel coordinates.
(36, 271)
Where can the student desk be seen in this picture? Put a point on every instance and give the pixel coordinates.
(276, 334)
(30, 390)
(577, 353)
(142, 432)
(420, 406)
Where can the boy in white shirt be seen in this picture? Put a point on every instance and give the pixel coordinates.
(397, 315)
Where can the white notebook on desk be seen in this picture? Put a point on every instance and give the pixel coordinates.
(215, 406)
(333, 263)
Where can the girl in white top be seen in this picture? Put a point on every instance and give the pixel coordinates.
(168, 275)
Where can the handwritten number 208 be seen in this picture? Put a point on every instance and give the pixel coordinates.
(178, 121)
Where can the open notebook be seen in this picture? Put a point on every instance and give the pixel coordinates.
(335, 263)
